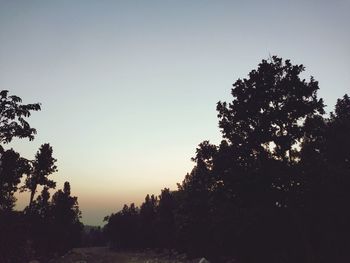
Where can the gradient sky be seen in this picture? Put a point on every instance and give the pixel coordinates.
(129, 88)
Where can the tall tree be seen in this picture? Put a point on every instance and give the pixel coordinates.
(43, 166)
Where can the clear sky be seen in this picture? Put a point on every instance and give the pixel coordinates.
(129, 88)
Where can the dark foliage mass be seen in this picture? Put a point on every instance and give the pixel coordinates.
(47, 227)
(276, 189)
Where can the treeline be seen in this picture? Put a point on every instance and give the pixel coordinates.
(276, 189)
(47, 226)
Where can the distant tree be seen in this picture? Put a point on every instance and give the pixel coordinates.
(42, 167)
(42, 205)
(112, 229)
(66, 219)
(12, 118)
(147, 221)
(165, 224)
(93, 237)
(123, 228)
(65, 206)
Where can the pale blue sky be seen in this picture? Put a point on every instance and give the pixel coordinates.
(129, 88)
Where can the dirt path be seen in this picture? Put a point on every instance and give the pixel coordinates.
(104, 255)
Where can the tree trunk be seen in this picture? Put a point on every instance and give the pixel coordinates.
(32, 193)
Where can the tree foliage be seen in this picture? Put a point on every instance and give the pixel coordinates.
(268, 108)
(42, 167)
(13, 116)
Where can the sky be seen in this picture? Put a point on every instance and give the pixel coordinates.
(129, 88)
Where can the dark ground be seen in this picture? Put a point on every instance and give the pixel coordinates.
(105, 255)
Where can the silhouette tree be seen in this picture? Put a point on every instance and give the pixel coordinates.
(122, 228)
(148, 220)
(66, 219)
(165, 224)
(43, 166)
